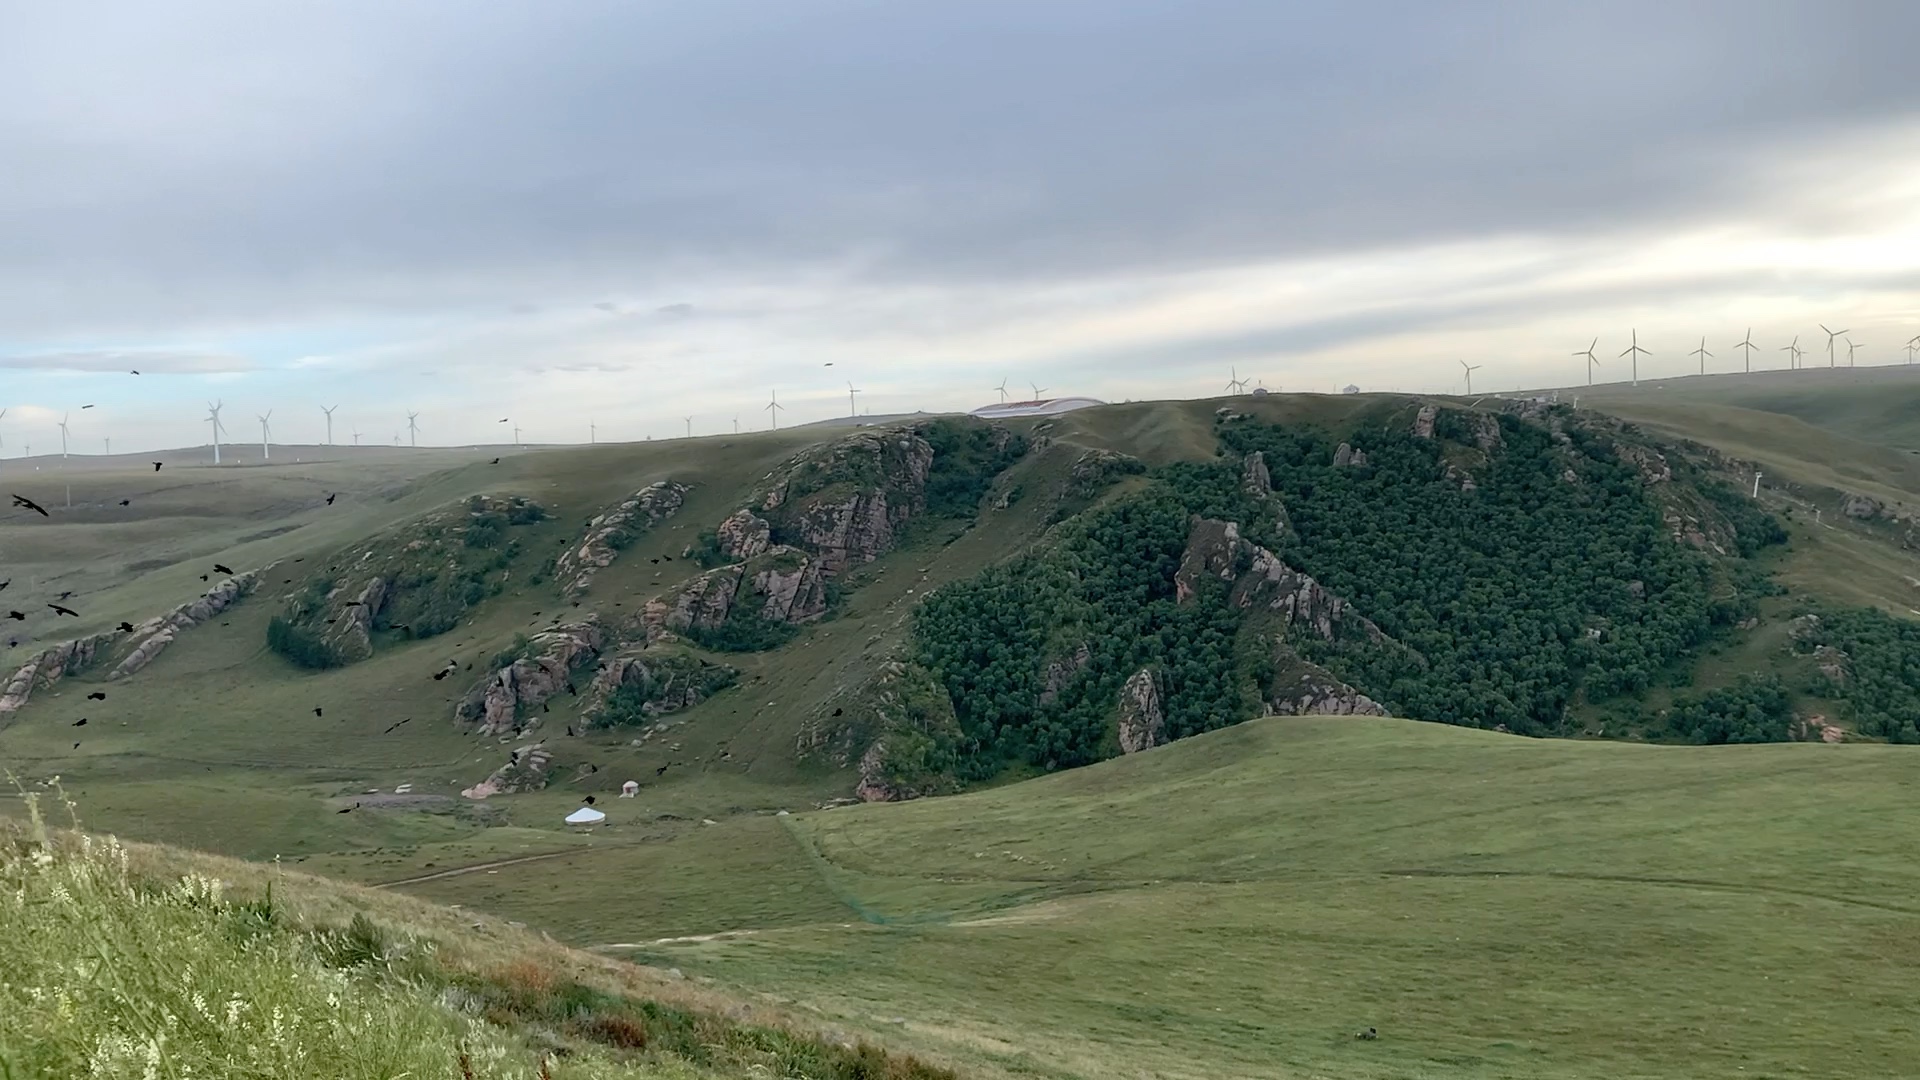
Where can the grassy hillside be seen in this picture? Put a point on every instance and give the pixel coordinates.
(1871, 404)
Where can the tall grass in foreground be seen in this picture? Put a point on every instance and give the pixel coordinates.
(103, 974)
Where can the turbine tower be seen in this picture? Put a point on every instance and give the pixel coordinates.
(1747, 344)
(516, 434)
(1634, 350)
(1470, 369)
(852, 409)
(1235, 384)
(736, 423)
(773, 410)
(1702, 353)
(1794, 352)
(213, 416)
(593, 433)
(1851, 346)
(1592, 360)
(1002, 388)
(689, 421)
(107, 445)
(1912, 347)
(413, 430)
(63, 435)
(265, 435)
(356, 436)
(329, 413)
(1831, 334)
(1038, 390)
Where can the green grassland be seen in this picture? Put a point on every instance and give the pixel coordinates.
(1237, 904)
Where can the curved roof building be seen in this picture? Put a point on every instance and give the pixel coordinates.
(1043, 407)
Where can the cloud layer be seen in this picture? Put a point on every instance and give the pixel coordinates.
(671, 208)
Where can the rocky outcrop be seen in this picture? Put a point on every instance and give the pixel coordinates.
(1259, 579)
(1834, 663)
(1459, 477)
(1649, 463)
(495, 706)
(660, 682)
(1486, 433)
(1345, 457)
(1300, 688)
(1818, 729)
(1143, 723)
(744, 534)
(1423, 421)
(153, 636)
(525, 770)
(351, 631)
(847, 532)
(1861, 508)
(1254, 478)
(1096, 470)
(1061, 671)
(612, 531)
(51, 665)
(845, 501)
(783, 584)
(898, 731)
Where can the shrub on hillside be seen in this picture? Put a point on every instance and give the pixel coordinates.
(300, 645)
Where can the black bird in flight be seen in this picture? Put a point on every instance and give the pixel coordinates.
(156, 466)
(316, 710)
(64, 595)
(97, 695)
(543, 707)
(58, 610)
(571, 690)
(441, 674)
(588, 800)
(355, 603)
(203, 577)
(495, 461)
(390, 730)
(126, 502)
(668, 558)
(332, 497)
(4, 584)
(663, 768)
(22, 500)
(76, 746)
(86, 406)
(82, 722)
(218, 569)
(569, 731)
(348, 809)
(126, 628)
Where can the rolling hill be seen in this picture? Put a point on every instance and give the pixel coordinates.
(409, 684)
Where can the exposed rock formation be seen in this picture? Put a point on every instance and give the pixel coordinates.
(783, 584)
(153, 636)
(1345, 456)
(845, 501)
(494, 706)
(1860, 507)
(1095, 470)
(1423, 421)
(525, 770)
(1649, 463)
(1457, 475)
(51, 665)
(1254, 477)
(1486, 433)
(1061, 671)
(893, 731)
(1143, 723)
(664, 682)
(1259, 579)
(613, 530)
(1834, 663)
(744, 534)
(1303, 689)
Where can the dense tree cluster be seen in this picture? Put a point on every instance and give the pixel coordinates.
(1754, 711)
(1876, 660)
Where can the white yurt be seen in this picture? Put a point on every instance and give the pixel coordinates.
(586, 815)
(630, 789)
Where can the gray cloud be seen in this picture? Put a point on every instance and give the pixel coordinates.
(370, 159)
(147, 362)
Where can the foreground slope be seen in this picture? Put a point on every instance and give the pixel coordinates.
(1242, 902)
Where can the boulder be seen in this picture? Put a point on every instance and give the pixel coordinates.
(1346, 457)
(1142, 723)
(1648, 462)
(525, 770)
(744, 534)
(1861, 508)
(1254, 478)
(1486, 433)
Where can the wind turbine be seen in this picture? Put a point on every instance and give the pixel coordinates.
(689, 421)
(1851, 345)
(1747, 344)
(736, 423)
(1634, 350)
(1831, 334)
(1235, 384)
(1702, 353)
(593, 433)
(1002, 388)
(265, 433)
(213, 415)
(1592, 360)
(356, 436)
(1793, 360)
(773, 410)
(516, 434)
(1470, 369)
(1912, 347)
(852, 409)
(413, 430)
(63, 435)
(329, 413)
(107, 443)
(1038, 389)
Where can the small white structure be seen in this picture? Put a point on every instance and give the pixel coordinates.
(1038, 407)
(630, 789)
(586, 815)
(1351, 389)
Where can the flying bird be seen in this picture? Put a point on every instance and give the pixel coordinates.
(58, 610)
(97, 695)
(316, 710)
(441, 674)
(133, 373)
(219, 569)
(348, 809)
(82, 722)
(203, 577)
(390, 730)
(332, 497)
(86, 406)
(495, 461)
(356, 603)
(4, 584)
(64, 595)
(126, 502)
(588, 800)
(156, 466)
(23, 501)
(126, 628)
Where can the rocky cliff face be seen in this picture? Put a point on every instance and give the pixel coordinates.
(153, 636)
(844, 501)
(525, 770)
(49, 666)
(610, 532)
(1423, 421)
(497, 704)
(1254, 477)
(1061, 671)
(1257, 578)
(744, 534)
(783, 584)
(1346, 457)
(1143, 722)
(1300, 688)
(662, 683)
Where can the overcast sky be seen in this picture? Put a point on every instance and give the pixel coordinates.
(634, 212)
